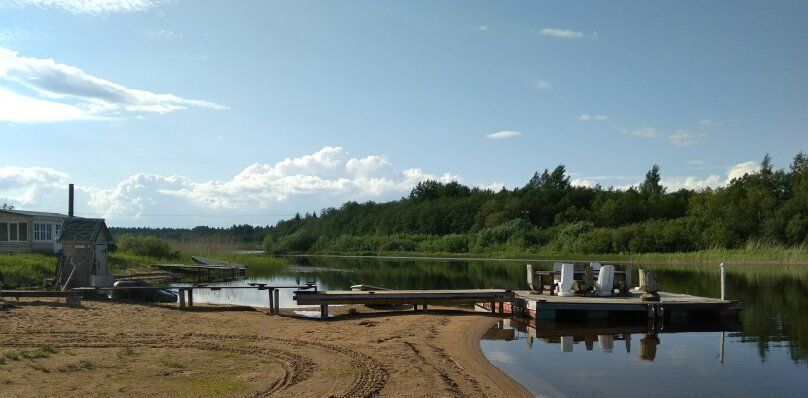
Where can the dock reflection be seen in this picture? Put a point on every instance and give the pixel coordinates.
(606, 334)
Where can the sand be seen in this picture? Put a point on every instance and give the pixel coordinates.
(114, 349)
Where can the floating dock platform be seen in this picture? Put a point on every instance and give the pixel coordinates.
(670, 305)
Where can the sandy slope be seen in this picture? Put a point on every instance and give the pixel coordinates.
(106, 349)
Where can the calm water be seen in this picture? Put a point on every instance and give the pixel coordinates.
(765, 354)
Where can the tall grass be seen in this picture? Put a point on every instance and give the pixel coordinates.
(26, 269)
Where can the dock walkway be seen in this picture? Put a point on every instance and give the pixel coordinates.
(399, 297)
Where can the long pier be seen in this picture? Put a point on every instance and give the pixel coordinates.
(399, 297)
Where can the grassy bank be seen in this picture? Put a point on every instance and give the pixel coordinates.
(28, 270)
(750, 255)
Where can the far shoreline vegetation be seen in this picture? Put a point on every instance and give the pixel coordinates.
(757, 219)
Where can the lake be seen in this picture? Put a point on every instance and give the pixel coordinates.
(766, 354)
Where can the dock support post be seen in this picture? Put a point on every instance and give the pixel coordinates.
(190, 299)
(277, 295)
(493, 307)
(271, 309)
(502, 308)
(324, 311)
(182, 298)
(723, 281)
(426, 307)
(415, 307)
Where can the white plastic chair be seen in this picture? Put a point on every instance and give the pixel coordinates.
(567, 277)
(605, 284)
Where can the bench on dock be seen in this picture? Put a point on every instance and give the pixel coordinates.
(401, 297)
(72, 299)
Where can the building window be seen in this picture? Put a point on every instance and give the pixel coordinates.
(13, 232)
(43, 232)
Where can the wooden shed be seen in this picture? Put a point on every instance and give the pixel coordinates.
(84, 261)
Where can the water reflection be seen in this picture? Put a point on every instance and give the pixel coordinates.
(599, 359)
(774, 317)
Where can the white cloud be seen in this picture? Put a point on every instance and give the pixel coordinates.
(18, 108)
(259, 194)
(542, 84)
(644, 132)
(690, 182)
(89, 7)
(740, 169)
(562, 33)
(90, 94)
(482, 28)
(587, 117)
(686, 138)
(583, 182)
(503, 134)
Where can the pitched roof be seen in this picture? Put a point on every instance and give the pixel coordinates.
(83, 230)
(35, 213)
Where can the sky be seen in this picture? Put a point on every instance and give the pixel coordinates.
(184, 113)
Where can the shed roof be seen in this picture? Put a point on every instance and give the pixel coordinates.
(78, 229)
(35, 213)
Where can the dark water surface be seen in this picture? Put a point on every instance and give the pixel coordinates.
(765, 354)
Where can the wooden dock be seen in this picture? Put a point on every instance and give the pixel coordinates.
(210, 266)
(399, 297)
(671, 305)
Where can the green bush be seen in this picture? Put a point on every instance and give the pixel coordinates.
(146, 246)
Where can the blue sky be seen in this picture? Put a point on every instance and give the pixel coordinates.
(218, 112)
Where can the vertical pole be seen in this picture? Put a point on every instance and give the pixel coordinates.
(723, 281)
(324, 311)
(182, 298)
(277, 301)
(271, 309)
(190, 298)
(721, 349)
(415, 307)
(493, 307)
(629, 277)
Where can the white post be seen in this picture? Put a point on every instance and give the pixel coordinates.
(723, 281)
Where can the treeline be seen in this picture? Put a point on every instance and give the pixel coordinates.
(548, 214)
(246, 235)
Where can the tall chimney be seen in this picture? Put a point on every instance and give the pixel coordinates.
(70, 200)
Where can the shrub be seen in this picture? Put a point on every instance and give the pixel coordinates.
(149, 246)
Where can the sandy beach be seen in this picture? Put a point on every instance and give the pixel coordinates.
(115, 349)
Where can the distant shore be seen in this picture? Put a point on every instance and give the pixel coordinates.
(790, 256)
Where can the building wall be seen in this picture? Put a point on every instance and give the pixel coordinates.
(19, 247)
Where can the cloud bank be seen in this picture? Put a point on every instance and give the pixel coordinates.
(87, 7)
(261, 193)
(89, 97)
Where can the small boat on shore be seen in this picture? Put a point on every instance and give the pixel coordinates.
(139, 290)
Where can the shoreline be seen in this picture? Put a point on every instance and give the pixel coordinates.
(121, 349)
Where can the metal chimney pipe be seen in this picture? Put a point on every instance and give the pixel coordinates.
(70, 200)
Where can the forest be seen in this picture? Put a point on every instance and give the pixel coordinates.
(549, 215)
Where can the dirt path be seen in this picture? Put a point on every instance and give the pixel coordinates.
(106, 349)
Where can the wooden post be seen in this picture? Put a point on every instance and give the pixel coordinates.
(530, 275)
(278, 302)
(190, 298)
(501, 307)
(629, 277)
(182, 298)
(723, 281)
(271, 309)
(493, 307)
(426, 307)
(324, 311)
(415, 307)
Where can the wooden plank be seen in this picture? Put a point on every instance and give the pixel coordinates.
(402, 296)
